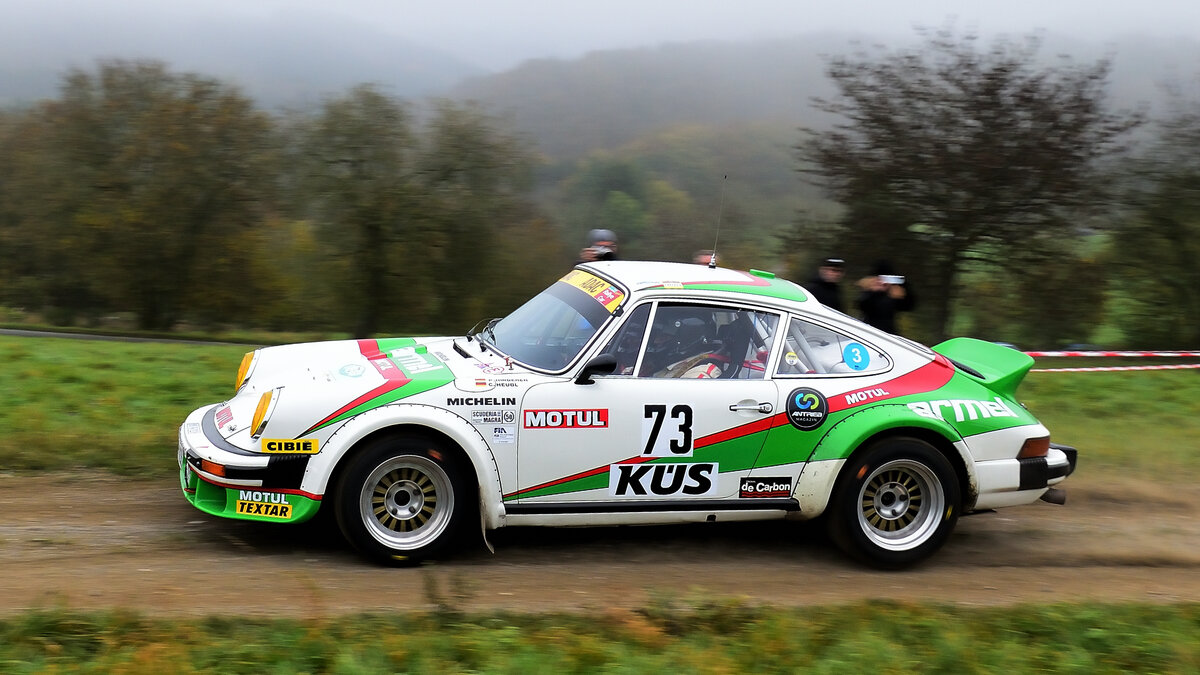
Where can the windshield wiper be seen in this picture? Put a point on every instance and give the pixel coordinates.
(488, 329)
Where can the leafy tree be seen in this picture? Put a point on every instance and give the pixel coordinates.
(410, 215)
(148, 178)
(950, 155)
(1157, 247)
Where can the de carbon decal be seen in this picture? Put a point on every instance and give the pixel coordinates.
(806, 408)
(762, 487)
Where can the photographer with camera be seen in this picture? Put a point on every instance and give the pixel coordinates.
(602, 245)
(884, 293)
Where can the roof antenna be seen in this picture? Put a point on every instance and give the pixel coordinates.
(712, 260)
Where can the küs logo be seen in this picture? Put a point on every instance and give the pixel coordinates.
(806, 408)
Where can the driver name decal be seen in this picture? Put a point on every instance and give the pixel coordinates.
(662, 480)
(565, 419)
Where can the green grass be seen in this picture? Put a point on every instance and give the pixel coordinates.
(72, 403)
(716, 637)
(1143, 423)
(90, 404)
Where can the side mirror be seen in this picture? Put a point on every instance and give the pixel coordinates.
(604, 364)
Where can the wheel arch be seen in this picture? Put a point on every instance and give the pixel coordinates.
(454, 433)
(853, 435)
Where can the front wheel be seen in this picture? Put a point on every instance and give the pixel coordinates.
(896, 503)
(401, 501)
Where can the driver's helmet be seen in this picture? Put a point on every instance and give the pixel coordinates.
(677, 333)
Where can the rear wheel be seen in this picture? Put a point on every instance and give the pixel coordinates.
(896, 504)
(402, 500)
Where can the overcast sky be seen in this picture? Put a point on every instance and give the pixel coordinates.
(498, 34)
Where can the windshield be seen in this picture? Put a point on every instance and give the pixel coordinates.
(550, 330)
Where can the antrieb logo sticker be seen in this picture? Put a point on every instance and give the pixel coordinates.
(806, 408)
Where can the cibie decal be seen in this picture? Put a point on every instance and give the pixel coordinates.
(298, 446)
(662, 480)
(963, 409)
(267, 504)
(565, 419)
(806, 408)
(763, 487)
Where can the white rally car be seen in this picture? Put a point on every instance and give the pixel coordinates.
(626, 393)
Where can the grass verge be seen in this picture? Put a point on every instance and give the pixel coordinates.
(716, 637)
(73, 404)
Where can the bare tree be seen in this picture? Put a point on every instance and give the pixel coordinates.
(948, 154)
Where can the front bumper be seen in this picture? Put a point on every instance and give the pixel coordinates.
(223, 480)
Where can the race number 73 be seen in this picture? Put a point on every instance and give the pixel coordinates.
(673, 441)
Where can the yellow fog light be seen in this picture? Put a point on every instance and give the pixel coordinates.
(262, 413)
(245, 369)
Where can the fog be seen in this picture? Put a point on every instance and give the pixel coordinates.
(497, 35)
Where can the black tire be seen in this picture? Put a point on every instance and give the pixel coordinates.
(402, 500)
(895, 504)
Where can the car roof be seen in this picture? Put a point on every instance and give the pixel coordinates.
(639, 276)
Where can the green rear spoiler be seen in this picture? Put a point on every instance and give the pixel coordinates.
(1000, 368)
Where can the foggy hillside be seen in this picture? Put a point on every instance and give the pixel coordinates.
(293, 59)
(610, 98)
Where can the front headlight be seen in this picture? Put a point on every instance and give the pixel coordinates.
(266, 405)
(245, 369)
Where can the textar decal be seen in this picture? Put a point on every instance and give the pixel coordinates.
(301, 446)
(806, 408)
(267, 504)
(762, 487)
(565, 419)
(964, 409)
(662, 480)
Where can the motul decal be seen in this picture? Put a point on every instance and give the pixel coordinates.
(565, 419)
(929, 377)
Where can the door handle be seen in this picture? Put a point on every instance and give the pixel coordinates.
(751, 407)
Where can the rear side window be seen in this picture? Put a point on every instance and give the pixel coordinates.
(810, 348)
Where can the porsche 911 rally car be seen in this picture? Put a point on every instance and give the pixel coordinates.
(628, 393)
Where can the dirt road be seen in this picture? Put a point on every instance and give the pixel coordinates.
(87, 542)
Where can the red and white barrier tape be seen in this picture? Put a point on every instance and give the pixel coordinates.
(1118, 354)
(1112, 368)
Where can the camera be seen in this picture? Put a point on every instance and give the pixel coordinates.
(895, 279)
(603, 253)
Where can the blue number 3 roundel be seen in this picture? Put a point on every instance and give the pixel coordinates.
(856, 356)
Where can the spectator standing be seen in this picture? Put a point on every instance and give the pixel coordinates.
(602, 245)
(825, 286)
(882, 295)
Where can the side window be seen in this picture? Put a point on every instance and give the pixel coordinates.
(707, 342)
(810, 348)
(627, 343)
